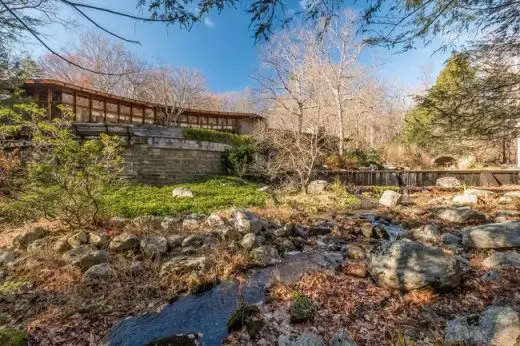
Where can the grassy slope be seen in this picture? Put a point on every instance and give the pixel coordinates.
(210, 194)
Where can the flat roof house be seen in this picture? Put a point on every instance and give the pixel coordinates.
(92, 106)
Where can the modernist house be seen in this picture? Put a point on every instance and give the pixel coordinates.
(91, 106)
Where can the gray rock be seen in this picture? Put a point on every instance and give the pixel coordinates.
(98, 271)
(505, 200)
(480, 193)
(174, 241)
(248, 241)
(229, 233)
(23, 240)
(182, 192)
(170, 223)
(492, 275)
(37, 245)
(407, 265)
(99, 239)
(512, 194)
(319, 230)
(449, 239)
(6, 257)
(354, 252)
(183, 263)
(499, 260)
(246, 222)
(461, 200)
(61, 245)
(334, 260)
(124, 242)
(285, 231)
(215, 221)
(342, 338)
(367, 230)
(503, 235)
(193, 222)
(85, 256)
(303, 339)
(429, 234)
(194, 240)
(119, 222)
(390, 198)
(460, 215)
(317, 186)
(448, 182)
(265, 255)
(136, 267)
(78, 238)
(154, 245)
(497, 326)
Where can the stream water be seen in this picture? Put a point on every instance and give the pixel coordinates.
(207, 314)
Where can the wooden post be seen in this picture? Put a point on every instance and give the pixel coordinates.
(74, 107)
(118, 111)
(104, 109)
(49, 103)
(89, 108)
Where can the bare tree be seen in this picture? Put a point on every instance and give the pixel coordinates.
(175, 90)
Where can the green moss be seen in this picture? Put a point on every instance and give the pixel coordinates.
(302, 308)
(215, 136)
(13, 337)
(4, 319)
(10, 287)
(210, 195)
(241, 317)
(379, 190)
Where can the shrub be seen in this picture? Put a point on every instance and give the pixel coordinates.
(239, 158)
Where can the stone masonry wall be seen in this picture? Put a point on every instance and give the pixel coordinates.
(162, 161)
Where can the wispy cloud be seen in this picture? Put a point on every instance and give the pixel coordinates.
(209, 23)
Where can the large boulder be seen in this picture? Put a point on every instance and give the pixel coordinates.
(508, 259)
(246, 222)
(497, 326)
(390, 198)
(317, 186)
(85, 256)
(98, 271)
(124, 242)
(448, 182)
(303, 339)
(461, 200)
(265, 255)
(460, 215)
(154, 246)
(182, 192)
(342, 338)
(23, 240)
(503, 235)
(407, 265)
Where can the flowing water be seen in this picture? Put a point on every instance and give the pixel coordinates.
(207, 314)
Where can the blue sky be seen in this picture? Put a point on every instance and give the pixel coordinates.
(222, 47)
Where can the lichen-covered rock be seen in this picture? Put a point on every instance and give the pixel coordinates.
(182, 192)
(390, 198)
(174, 241)
(480, 193)
(98, 271)
(229, 233)
(505, 200)
(503, 235)
(78, 238)
(498, 260)
(461, 200)
(246, 222)
(449, 239)
(215, 221)
(37, 245)
(154, 245)
(183, 263)
(13, 337)
(62, 245)
(407, 265)
(169, 223)
(23, 240)
(317, 186)
(429, 234)
(497, 326)
(460, 215)
(342, 338)
(248, 241)
(448, 182)
(193, 222)
(85, 256)
(99, 239)
(302, 309)
(265, 255)
(6, 257)
(354, 252)
(303, 339)
(124, 242)
(284, 231)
